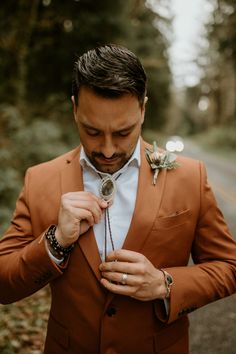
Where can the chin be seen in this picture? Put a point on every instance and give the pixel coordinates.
(108, 169)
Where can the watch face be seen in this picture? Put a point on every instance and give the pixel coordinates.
(169, 279)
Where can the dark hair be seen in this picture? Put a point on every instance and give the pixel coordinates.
(110, 71)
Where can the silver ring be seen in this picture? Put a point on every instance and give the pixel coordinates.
(124, 278)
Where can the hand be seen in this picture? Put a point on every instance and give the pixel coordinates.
(144, 282)
(78, 212)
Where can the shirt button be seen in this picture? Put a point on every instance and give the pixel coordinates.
(111, 311)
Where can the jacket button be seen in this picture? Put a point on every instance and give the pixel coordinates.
(111, 311)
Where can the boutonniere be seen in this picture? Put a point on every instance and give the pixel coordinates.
(159, 160)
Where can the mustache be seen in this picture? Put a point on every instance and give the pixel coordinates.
(101, 155)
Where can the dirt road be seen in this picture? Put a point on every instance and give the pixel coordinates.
(213, 327)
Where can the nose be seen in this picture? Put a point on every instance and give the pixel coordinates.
(108, 148)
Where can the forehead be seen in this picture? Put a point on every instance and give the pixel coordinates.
(107, 113)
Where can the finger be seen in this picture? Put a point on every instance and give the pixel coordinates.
(85, 203)
(122, 267)
(118, 289)
(125, 256)
(90, 206)
(131, 280)
(84, 196)
(83, 214)
(80, 195)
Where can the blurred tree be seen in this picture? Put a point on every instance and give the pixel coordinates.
(222, 55)
(150, 44)
(216, 93)
(16, 27)
(38, 44)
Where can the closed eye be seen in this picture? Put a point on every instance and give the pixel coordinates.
(93, 132)
(122, 133)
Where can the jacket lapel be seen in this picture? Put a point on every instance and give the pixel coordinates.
(71, 174)
(147, 204)
(72, 181)
(146, 209)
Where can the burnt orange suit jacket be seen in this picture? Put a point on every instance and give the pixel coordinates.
(171, 220)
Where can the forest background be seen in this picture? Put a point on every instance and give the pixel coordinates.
(39, 41)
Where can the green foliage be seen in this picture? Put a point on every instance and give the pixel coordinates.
(38, 142)
(222, 138)
(148, 42)
(24, 143)
(221, 30)
(155, 135)
(218, 83)
(39, 42)
(10, 183)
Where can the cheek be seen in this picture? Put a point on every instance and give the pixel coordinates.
(132, 140)
(125, 145)
(88, 143)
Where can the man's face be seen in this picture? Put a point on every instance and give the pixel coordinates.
(109, 128)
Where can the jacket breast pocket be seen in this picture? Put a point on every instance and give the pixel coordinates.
(170, 240)
(173, 220)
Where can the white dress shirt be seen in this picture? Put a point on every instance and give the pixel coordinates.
(122, 208)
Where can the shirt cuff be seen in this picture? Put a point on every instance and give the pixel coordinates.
(167, 305)
(55, 259)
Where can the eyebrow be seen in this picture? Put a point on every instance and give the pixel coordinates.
(120, 130)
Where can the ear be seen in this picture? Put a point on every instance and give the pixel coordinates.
(143, 108)
(74, 107)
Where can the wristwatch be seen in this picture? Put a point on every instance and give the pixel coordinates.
(168, 282)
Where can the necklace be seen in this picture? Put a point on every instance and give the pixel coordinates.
(107, 191)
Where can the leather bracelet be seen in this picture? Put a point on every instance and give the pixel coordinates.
(51, 238)
(168, 282)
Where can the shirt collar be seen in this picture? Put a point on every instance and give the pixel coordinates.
(134, 160)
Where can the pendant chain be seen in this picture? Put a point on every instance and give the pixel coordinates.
(108, 225)
(108, 222)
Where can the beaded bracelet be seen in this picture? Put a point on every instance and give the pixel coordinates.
(50, 236)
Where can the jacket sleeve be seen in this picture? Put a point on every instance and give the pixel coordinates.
(25, 265)
(213, 274)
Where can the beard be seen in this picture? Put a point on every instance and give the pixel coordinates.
(108, 165)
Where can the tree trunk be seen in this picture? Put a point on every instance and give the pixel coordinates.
(23, 51)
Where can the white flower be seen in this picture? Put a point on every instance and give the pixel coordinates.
(159, 160)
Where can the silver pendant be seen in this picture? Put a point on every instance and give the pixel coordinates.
(107, 188)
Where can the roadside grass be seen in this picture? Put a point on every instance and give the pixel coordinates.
(220, 140)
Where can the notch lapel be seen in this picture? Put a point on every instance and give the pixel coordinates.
(147, 204)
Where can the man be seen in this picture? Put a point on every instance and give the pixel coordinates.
(113, 246)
